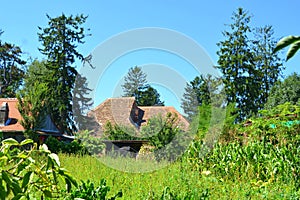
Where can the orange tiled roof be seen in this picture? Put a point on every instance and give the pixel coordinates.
(14, 114)
(124, 111)
(151, 111)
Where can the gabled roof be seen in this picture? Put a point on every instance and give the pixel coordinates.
(115, 110)
(124, 111)
(15, 119)
(151, 111)
(13, 114)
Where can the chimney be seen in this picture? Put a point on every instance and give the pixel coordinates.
(4, 113)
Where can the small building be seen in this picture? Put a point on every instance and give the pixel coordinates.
(10, 123)
(124, 111)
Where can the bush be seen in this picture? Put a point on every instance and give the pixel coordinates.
(93, 145)
(88, 191)
(22, 176)
(165, 134)
(74, 147)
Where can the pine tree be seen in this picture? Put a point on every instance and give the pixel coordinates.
(134, 80)
(148, 96)
(196, 93)
(236, 62)
(267, 62)
(59, 44)
(11, 74)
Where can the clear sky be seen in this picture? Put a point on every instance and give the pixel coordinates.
(202, 21)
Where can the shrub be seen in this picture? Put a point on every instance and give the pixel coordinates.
(165, 134)
(88, 191)
(22, 176)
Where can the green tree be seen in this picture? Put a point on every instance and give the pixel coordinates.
(248, 64)
(203, 90)
(59, 44)
(11, 74)
(196, 93)
(148, 96)
(236, 63)
(32, 98)
(134, 80)
(285, 91)
(136, 86)
(268, 64)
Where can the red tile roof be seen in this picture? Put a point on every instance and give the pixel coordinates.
(124, 111)
(14, 114)
(151, 111)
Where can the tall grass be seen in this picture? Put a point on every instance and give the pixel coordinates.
(176, 181)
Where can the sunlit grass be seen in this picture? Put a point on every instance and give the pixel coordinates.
(178, 176)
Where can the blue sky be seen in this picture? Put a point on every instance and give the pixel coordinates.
(202, 21)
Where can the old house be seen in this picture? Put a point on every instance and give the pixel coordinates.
(124, 111)
(10, 122)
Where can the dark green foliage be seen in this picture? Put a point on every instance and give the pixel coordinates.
(74, 147)
(59, 44)
(90, 143)
(33, 97)
(268, 64)
(88, 191)
(166, 135)
(235, 61)
(119, 132)
(136, 86)
(284, 91)
(249, 69)
(134, 80)
(82, 104)
(197, 92)
(148, 96)
(11, 72)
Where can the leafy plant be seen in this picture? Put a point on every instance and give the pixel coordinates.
(162, 133)
(294, 41)
(88, 191)
(23, 176)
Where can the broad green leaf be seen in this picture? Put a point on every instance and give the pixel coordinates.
(293, 49)
(71, 179)
(47, 193)
(2, 192)
(10, 142)
(6, 178)
(68, 184)
(27, 141)
(16, 188)
(286, 41)
(17, 197)
(55, 158)
(26, 179)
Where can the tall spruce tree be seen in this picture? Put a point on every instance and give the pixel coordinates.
(197, 93)
(134, 80)
(136, 86)
(268, 64)
(236, 62)
(11, 72)
(59, 44)
(248, 65)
